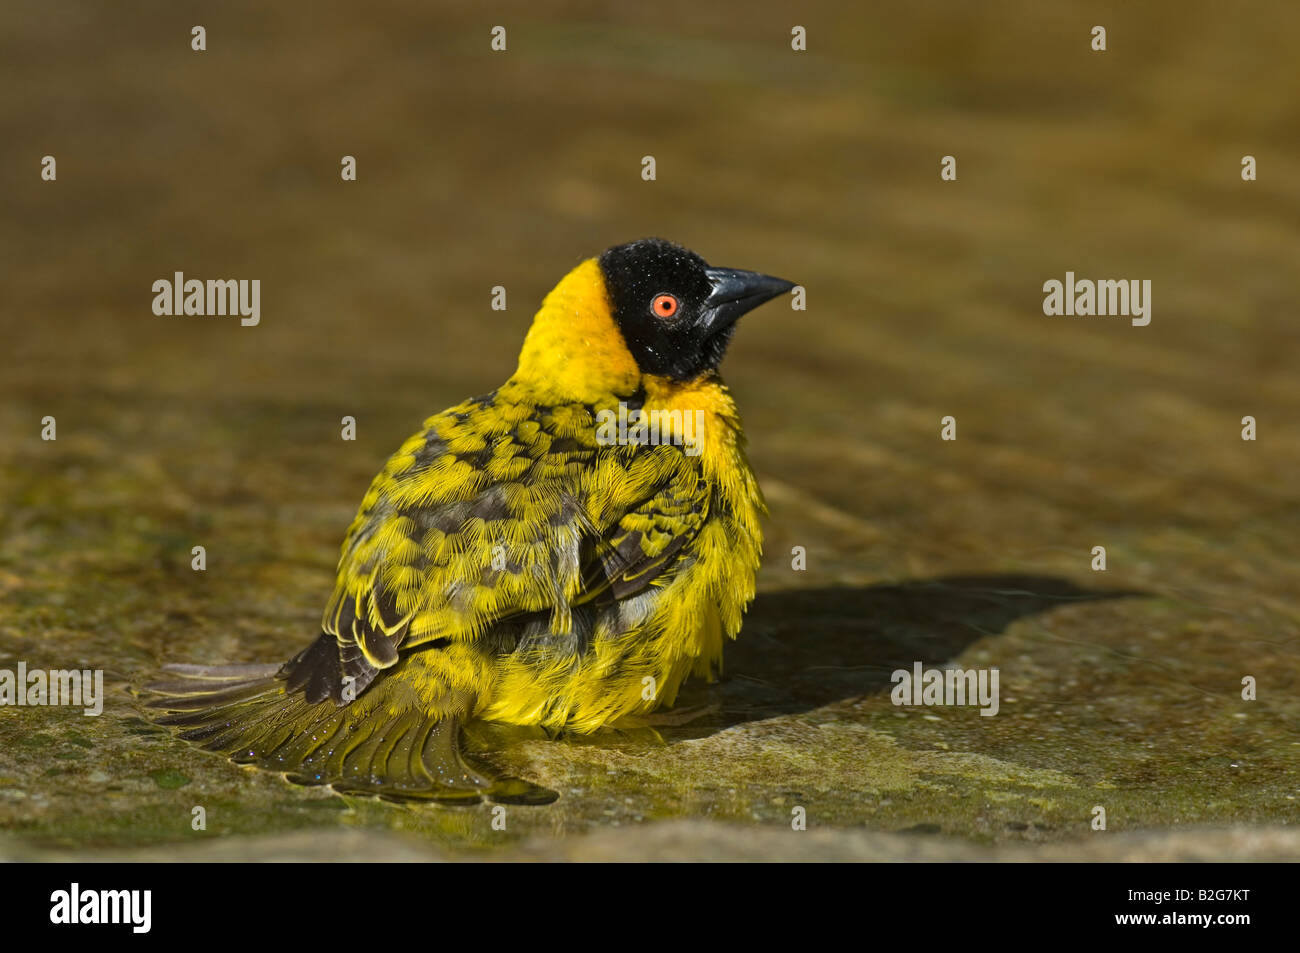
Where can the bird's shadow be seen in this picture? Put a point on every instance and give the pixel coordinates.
(801, 649)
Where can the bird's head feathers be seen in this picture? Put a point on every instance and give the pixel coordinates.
(649, 308)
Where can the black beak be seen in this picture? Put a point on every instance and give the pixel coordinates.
(734, 293)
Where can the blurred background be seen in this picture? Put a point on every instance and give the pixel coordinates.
(924, 299)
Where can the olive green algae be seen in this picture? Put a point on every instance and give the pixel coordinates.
(1119, 690)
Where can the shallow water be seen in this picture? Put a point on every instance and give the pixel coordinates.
(1119, 689)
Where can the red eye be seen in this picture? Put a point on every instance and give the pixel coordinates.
(664, 306)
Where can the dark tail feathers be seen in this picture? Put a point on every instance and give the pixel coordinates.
(380, 745)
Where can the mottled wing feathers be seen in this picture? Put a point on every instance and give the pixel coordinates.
(646, 540)
(497, 509)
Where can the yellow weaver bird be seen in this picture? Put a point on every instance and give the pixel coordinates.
(522, 559)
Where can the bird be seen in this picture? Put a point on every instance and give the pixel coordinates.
(520, 559)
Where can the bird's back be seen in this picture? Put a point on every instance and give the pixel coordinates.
(584, 572)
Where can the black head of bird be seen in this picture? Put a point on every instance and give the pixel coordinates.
(649, 308)
(675, 311)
